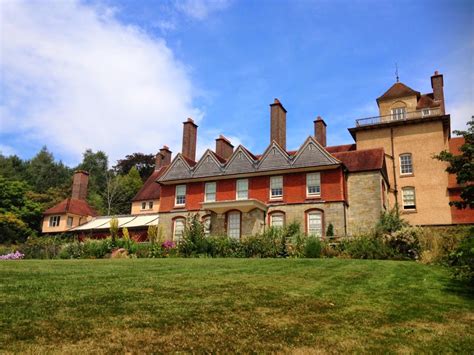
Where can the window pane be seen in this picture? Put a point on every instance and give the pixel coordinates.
(210, 192)
(406, 166)
(178, 229)
(313, 184)
(276, 186)
(233, 225)
(277, 220)
(180, 194)
(70, 221)
(315, 226)
(242, 189)
(150, 205)
(408, 194)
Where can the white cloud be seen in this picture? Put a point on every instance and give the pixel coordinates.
(461, 113)
(73, 77)
(6, 150)
(201, 9)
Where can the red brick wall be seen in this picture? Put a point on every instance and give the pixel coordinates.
(294, 190)
(458, 216)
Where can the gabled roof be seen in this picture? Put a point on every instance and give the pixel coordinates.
(74, 206)
(151, 190)
(398, 90)
(362, 160)
(341, 148)
(312, 153)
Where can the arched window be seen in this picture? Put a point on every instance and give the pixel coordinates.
(277, 219)
(406, 164)
(179, 224)
(314, 223)
(408, 196)
(398, 110)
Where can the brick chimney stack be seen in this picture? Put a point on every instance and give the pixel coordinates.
(320, 131)
(79, 185)
(163, 158)
(278, 123)
(224, 147)
(438, 91)
(189, 139)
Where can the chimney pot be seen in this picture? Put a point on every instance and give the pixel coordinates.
(224, 147)
(320, 131)
(278, 123)
(163, 158)
(79, 185)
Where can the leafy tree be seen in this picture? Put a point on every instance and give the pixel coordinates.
(12, 167)
(120, 191)
(42, 172)
(463, 166)
(20, 216)
(144, 163)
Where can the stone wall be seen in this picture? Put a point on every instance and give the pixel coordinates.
(365, 201)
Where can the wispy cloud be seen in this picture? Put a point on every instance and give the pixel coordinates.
(201, 9)
(74, 77)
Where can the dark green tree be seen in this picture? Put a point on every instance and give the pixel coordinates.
(12, 167)
(144, 163)
(463, 166)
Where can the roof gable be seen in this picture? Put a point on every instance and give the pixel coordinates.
(240, 162)
(274, 158)
(179, 169)
(398, 90)
(72, 205)
(312, 153)
(150, 190)
(208, 165)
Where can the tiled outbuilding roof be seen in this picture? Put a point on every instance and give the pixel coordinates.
(362, 160)
(150, 190)
(426, 101)
(74, 206)
(341, 148)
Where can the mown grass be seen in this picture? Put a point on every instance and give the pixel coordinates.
(232, 305)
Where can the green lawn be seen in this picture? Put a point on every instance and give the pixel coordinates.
(222, 305)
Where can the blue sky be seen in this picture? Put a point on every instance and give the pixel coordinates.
(121, 76)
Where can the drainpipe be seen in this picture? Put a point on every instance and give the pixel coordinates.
(395, 185)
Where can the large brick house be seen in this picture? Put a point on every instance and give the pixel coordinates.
(238, 193)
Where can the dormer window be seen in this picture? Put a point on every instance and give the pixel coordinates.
(399, 113)
(425, 112)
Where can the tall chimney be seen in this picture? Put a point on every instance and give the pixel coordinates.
(163, 158)
(438, 91)
(79, 185)
(189, 139)
(224, 147)
(278, 123)
(320, 131)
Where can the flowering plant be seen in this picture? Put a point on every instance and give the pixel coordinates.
(168, 244)
(12, 256)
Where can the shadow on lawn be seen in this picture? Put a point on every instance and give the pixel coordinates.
(462, 288)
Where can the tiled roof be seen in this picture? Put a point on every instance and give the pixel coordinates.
(150, 190)
(74, 206)
(341, 148)
(426, 101)
(398, 90)
(189, 161)
(362, 160)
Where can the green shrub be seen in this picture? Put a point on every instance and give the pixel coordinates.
(96, 248)
(44, 247)
(193, 242)
(404, 242)
(114, 229)
(330, 231)
(72, 250)
(390, 222)
(437, 244)
(462, 259)
(312, 248)
(365, 247)
(223, 246)
(264, 245)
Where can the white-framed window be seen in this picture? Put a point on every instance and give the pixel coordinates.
(178, 229)
(206, 223)
(54, 221)
(399, 113)
(70, 221)
(406, 164)
(315, 223)
(276, 186)
(425, 112)
(277, 220)
(180, 195)
(313, 184)
(233, 224)
(143, 205)
(150, 205)
(242, 189)
(408, 197)
(210, 192)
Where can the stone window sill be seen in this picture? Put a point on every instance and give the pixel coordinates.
(407, 175)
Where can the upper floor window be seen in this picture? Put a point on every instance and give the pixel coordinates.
(277, 219)
(313, 184)
(143, 205)
(150, 205)
(315, 223)
(54, 221)
(178, 228)
(398, 113)
(406, 165)
(210, 192)
(242, 189)
(180, 195)
(425, 112)
(70, 221)
(409, 201)
(276, 186)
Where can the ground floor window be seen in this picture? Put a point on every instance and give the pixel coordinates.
(408, 195)
(206, 223)
(277, 219)
(315, 223)
(233, 224)
(54, 221)
(178, 229)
